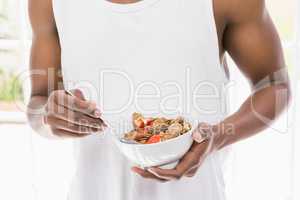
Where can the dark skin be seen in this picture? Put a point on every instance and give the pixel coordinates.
(245, 30)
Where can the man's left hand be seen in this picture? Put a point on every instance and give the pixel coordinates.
(188, 165)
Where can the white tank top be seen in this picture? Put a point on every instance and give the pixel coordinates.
(157, 57)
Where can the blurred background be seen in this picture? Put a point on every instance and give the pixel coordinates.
(33, 168)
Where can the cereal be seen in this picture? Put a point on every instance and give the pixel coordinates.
(154, 130)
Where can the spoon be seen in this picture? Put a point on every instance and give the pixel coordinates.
(126, 141)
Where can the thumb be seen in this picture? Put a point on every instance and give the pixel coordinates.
(201, 132)
(78, 93)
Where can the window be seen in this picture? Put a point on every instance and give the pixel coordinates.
(14, 45)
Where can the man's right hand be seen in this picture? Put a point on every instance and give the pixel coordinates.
(72, 116)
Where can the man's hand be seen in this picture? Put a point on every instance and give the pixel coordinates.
(72, 116)
(189, 164)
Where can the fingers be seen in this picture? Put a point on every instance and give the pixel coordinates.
(168, 174)
(187, 166)
(165, 174)
(146, 174)
(74, 103)
(203, 130)
(75, 117)
(78, 93)
(191, 160)
(67, 134)
(70, 127)
(69, 115)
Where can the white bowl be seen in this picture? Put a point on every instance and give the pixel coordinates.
(164, 154)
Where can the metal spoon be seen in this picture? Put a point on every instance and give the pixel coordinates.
(69, 93)
(126, 141)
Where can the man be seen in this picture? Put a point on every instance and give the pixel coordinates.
(122, 56)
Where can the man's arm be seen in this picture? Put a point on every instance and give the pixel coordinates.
(52, 112)
(252, 41)
(45, 49)
(45, 57)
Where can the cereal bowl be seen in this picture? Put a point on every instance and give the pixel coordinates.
(164, 154)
